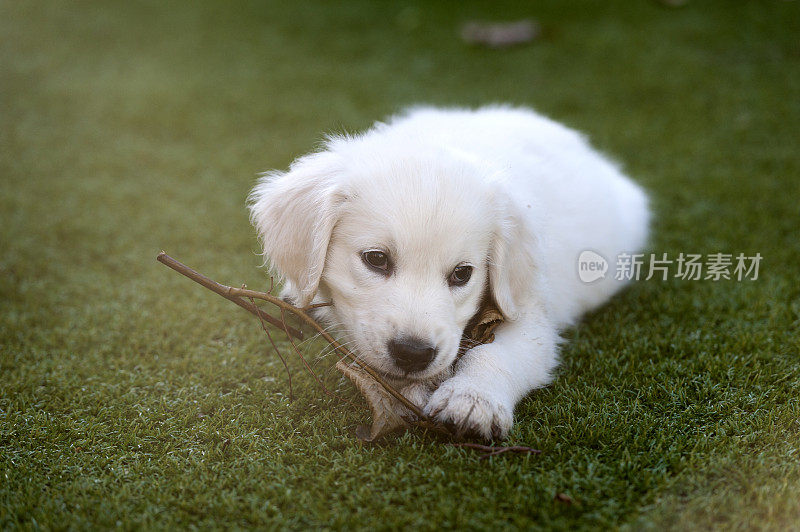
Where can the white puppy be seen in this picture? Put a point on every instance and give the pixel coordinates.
(405, 228)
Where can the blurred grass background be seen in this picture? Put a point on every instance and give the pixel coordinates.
(130, 397)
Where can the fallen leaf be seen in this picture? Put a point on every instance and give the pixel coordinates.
(480, 329)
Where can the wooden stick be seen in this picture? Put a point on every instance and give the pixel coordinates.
(236, 295)
(223, 290)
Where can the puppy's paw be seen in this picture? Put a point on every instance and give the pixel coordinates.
(470, 410)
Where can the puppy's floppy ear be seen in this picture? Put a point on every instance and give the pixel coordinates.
(294, 213)
(512, 266)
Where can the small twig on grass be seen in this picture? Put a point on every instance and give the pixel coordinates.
(492, 450)
(223, 290)
(236, 294)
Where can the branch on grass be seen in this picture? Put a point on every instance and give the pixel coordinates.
(224, 291)
(236, 295)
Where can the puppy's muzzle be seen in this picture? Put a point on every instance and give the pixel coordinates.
(411, 354)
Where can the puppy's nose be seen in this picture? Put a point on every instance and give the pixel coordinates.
(411, 354)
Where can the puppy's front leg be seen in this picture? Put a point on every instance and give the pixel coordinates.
(490, 379)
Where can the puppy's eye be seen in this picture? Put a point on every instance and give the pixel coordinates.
(377, 260)
(460, 275)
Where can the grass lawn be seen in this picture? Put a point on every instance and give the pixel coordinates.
(131, 397)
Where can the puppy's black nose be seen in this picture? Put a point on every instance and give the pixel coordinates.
(411, 354)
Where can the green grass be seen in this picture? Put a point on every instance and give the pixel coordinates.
(130, 397)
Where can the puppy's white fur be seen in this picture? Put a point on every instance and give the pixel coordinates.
(505, 190)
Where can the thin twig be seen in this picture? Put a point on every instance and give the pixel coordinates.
(236, 295)
(492, 450)
(222, 290)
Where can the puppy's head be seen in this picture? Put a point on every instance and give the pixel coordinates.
(403, 244)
